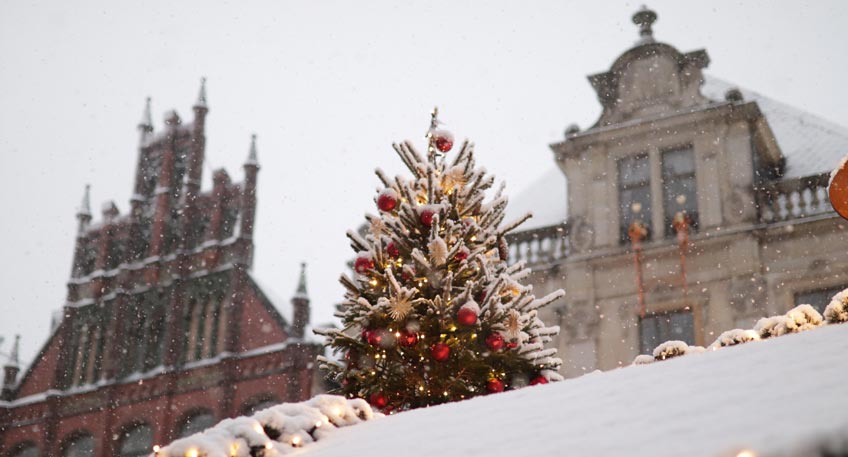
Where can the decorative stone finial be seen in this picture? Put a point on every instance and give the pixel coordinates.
(172, 119)
(645, 18)
(733, 95)
(201, 97)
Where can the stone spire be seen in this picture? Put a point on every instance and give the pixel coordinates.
(252, 158)
(14, 355)
(301, 282)
(201, 97)
(300, 306)
(146, 122)
(84, 210)
(645, 19)
(11, 370)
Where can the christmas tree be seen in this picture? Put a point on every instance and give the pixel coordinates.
(434, 313)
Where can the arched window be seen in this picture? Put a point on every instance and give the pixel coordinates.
(79, 445)
(197, 421)
(27, 449)
(258, 403)
(136, 441)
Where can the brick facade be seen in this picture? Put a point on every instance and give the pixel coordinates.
(162, 317)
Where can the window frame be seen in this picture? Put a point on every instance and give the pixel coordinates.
(659, 339)
(625, 187)
(666, 178)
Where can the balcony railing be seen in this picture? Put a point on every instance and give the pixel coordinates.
(540, 245)
(793, 199)
(777, 201)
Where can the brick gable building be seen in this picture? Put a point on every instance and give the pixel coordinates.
(164, 331)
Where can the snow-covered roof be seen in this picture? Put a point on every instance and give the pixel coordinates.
(811, 145)
(282, 305)
(545, 198)
(783, 396)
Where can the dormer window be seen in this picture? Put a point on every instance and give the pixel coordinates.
(634, 193)
(678, 178)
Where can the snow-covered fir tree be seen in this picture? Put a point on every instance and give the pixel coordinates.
(433, 312)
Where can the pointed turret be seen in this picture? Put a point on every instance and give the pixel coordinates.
(11, 370)
(194, 171)
(145, 125)
(201, 96)
(146, 122)
(300, 306)
(248, 211)
(84, 211)
(252, 157)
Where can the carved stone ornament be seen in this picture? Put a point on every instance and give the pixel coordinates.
(581, 234)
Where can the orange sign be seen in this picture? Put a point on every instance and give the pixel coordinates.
(838, 191)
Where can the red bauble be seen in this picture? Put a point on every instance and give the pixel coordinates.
(373, 337)
(443, 140)
(495, 386)
(495, 341)
(461, 255)
(378, 399)
(363, 264)
(392, 250)
(427, 217)
(539, 380)
(511, 345)
(386, 201)
(407, 338)
(466, 316)
(440, 352)
(407, 274)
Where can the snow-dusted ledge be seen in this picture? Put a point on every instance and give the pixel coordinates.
(278, 430)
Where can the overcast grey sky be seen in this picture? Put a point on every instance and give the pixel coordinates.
(328, 86)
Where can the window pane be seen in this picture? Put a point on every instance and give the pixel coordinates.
(660, 328)
(634, 171)
(196, 423)
(678, 162)
(81, 446)
(818, 298)
(635, 204)
(679, 187)
(137, 441)
(26, 451)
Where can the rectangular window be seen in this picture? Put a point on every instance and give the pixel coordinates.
(678, 174)
(659, 328)
(818, 298)
(634, 193)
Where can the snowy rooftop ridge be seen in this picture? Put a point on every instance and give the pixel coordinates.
(811, 144)
(727, 401)
(711, 404)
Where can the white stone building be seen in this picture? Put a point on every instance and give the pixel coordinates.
(750, 173)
